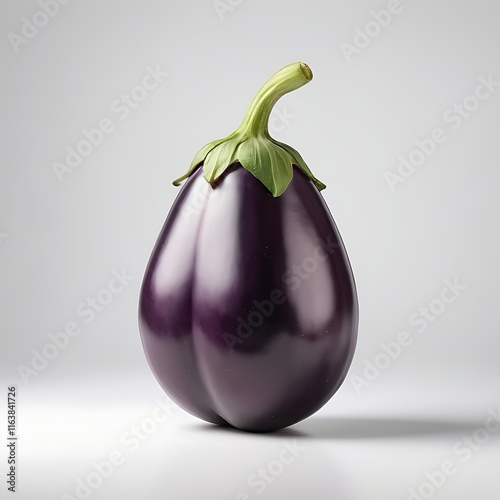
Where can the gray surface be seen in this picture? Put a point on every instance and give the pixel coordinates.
(61, 241)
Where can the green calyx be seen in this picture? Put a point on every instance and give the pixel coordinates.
(251, 145)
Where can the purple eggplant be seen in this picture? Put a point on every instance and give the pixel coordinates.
(248, 309)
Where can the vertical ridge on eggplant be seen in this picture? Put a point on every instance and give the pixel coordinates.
(166, 311)
(248, 309)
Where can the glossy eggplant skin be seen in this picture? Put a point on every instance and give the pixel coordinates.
(248, 309)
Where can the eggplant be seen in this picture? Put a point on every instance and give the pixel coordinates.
(248, 310)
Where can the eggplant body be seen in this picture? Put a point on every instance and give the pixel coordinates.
(248, 310)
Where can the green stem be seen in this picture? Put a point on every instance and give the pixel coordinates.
(269, 161)
(290, 78)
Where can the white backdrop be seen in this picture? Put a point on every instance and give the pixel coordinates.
(401, 121)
